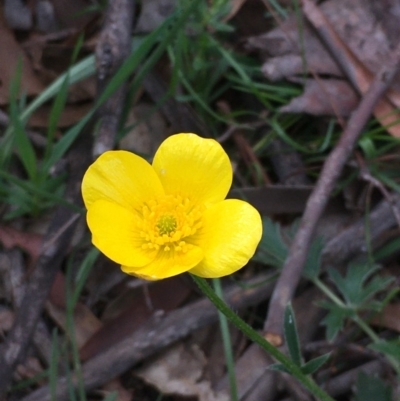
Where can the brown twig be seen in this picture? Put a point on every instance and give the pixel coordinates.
(17, 279)
(153, 336)
(351, 242)
(332, 168)
(366, 176)
(113, 48)
(13, 350)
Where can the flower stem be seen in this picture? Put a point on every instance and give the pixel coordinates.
(291, 367)
(226, 340)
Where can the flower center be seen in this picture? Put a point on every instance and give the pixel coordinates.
(166, 224)
(169, 222)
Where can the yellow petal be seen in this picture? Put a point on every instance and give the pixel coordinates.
(230, 235)
(120, 177)
(114, 232)
(195, 167)
(167, 264)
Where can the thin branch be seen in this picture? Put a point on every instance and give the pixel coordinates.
(350, 243)
(332, 168)
(112, 49)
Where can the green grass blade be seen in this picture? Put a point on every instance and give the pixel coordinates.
(291, 336)
(227, 344)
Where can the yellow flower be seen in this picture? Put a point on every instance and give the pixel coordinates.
(170, 217)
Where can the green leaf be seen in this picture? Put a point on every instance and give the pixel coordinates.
(370, 388)
(272, 249)
(21, 141)
(334, 320)
(55, 114)
(389, 348)
(314, 364)
(375, 285)
(291, 335)
(313, 262)
(352, 285)
(278, 367)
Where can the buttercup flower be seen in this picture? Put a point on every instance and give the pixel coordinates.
(170, 217)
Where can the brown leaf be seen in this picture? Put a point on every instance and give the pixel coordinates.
(70, 14)
(10, 54)
(85, 322)
(70, 115)
(29, 242)
(6, 320)
(133, 310)
(330, 97)
(180, 371)
(360, 76)
(388, 317)
(289, 53)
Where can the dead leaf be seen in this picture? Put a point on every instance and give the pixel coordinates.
(131, 309)
(146, 122)
(85, 322)
(30, 369)
(388, 317)
(70, 115)
(330, 97)
(360, 76)
(290, 53)
(179, 371)
(29, 242)
(71, 13)
(6, 320)
(10, 54)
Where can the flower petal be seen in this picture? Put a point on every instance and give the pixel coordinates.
(114, 232)
(195, 167)
(232, 230)
(120, 177)
(167, 264)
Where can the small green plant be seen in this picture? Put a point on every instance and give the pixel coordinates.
(357, 296)
(358, 289)
(293, 344)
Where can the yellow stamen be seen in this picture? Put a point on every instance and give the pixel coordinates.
(168, 223)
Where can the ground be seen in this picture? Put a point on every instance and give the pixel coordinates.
(303, 97)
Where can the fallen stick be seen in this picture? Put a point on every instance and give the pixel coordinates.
(293, 267)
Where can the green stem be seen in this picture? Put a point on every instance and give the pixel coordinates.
(336, 300)
(375, 338)
(226, 340)
(291, 367)
(367, 330)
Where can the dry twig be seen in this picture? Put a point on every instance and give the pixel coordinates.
(332, 168)
(113, 48)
